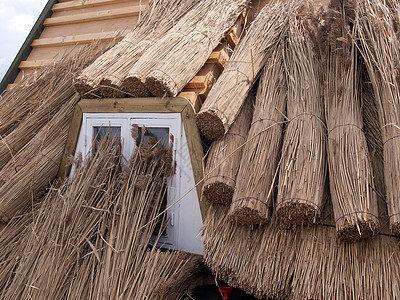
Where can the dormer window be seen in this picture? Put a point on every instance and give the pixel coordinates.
(184, 216)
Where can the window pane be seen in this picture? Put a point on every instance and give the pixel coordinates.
(110, 131)
(161, 134)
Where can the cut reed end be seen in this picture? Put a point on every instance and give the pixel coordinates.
(395, 228)
(81, 86)
(361, 230)
(109, 90)
(210, 124)
(249, 211)
(134, 87)
(218, 192)
(294, 213)
(85, 90)
(161, 85)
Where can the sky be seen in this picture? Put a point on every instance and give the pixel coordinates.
(17, 19)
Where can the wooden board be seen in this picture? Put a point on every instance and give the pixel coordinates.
(119, 24)
(93, 16)
(78, 4)
(73, 39)
(94, 9)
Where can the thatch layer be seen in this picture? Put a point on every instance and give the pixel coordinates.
(224, 158)
(305, 263)
(377, 25)
(52, 91)
(227, 96)
(64, 228)
(254, 192)
(303, 167)
(31, 153)
(351, 180)
(104, 77)
(80, 230)
(175, 58)
(36, 165)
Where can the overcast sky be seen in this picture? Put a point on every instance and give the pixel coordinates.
(17, 19)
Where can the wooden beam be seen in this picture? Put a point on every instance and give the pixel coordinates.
(220, 55)
(193, 97)
(196, 155)
(77, 4)
(33, 64)
(93, 16)
(146, 105)
(74, 39)
(197, 82)
(232, 38)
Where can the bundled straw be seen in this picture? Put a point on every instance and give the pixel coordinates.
(303, 167)
(254, 192)
(54, 92)
(377, 24)
(11, 237)
(89, 239)
(30, 155)
(224, 158)
(105, 76)
(65, 228)
(227, 96)
(36, 165)
(351, 179)
(174, 60)
(304, 263)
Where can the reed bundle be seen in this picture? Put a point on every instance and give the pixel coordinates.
(27, 97)
(54, 92)
(65, 227)
(175, 58)
(37, 97)
(36, 165)
(254, 192)
(227, 96)
(104, 77)
(304, 263)
(224, 158)
(30, 153)
(351, 180)
(95, 229)
(377, 31)
(303, 166)
(11, 247)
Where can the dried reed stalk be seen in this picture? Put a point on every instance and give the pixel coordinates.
(65, 228)
(30, 153)
(39, 96)
(11, 237)
(303, 167)
(36, 164)
(304, 263)
(377, 30)
(175, 58)
(104, 77)
(95, 229)
(224, 158)
(54, 93)
(351, 180)
(227, 96)
(254, 192)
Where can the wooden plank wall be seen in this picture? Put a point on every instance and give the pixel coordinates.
(75, 23)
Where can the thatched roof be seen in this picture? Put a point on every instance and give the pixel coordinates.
(312, 208)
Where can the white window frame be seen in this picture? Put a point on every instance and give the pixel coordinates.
(172, 121)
